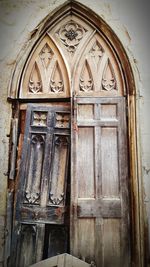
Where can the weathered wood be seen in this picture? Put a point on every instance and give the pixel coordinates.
(57, 240)
(102, 208)
(41, 181)
(8, 227)
(44, 165)
(63, 260)
(14, 126)
(100, 182)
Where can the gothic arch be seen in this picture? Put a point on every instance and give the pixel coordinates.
(90, 20)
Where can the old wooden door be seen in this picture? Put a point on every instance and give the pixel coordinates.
(74, 61)
(41, 194)
(100, 223)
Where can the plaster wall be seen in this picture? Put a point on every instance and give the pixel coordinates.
(129, 20)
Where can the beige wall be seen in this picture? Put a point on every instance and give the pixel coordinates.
(130, 21)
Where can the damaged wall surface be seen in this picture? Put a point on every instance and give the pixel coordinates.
(19, 20)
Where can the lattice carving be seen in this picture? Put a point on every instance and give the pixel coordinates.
(46, 55)
(32, 191)
(70, 35)
(86, 80)
(97, 53)
(62, 120)
(109, 80)
(56, 83)
(35, 83)
(39, 118)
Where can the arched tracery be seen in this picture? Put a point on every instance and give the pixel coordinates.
(76, 57)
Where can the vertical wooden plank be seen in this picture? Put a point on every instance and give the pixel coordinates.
(109, 151)
(111, 243)
(26, 253)
(14, 148)
(39, 242)
(8, 227)
(85, 163)
(124, 187)
(98, 184)
(86, 239)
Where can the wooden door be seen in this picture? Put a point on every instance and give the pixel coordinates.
(41, 193)
(100, 204)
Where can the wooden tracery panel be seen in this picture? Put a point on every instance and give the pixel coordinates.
(45, 75)
(44, 165)
(97, 72)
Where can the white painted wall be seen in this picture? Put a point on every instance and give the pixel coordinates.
(130, 21)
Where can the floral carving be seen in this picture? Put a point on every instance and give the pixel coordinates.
(108, 80)
(39, 118)
(56, 86)
(35, 87)
(56, 82)
(35, 84)
(56, 200)
(71, 35)
(32, 197)
(86, 81)
(46, 55)
(109, 84)
(62, 120)
(86, 86)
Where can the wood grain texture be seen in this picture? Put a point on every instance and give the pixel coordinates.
(100, 206)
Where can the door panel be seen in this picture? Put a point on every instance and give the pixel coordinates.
(99, 200)
(42, 183)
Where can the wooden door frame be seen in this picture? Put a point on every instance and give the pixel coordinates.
(73, 7)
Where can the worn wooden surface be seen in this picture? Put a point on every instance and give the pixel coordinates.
(41, 184)
(63, 260)
(100, 208)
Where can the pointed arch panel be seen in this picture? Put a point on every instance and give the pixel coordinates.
(45, 74)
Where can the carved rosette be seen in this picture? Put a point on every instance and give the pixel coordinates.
(70, 35)
(62, 120)
(39, 118)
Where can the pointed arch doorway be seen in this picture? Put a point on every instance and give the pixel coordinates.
(74, 90)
